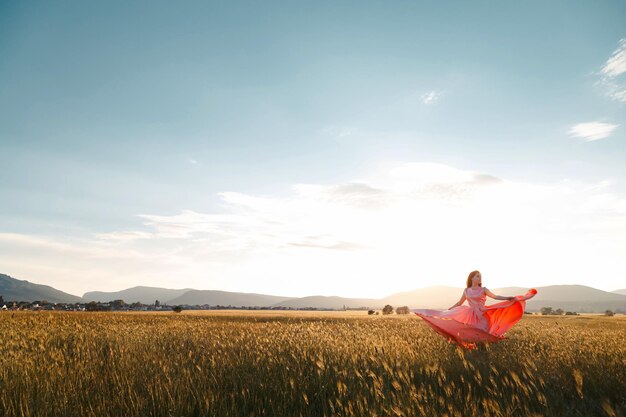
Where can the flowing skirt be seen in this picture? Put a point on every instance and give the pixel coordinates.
(467, 325)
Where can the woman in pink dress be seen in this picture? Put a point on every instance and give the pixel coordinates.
(468, 325)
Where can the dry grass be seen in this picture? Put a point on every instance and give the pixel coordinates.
(251, 363)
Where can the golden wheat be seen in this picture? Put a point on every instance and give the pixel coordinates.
(289, 364)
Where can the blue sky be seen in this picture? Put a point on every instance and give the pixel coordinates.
(117, 118)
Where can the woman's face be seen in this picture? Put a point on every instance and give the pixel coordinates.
(477, 279)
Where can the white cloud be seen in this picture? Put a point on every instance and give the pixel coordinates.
(129, 235)
(430, 97)
(406, 225)
(616, 64)
(612, 73)
(592, 130)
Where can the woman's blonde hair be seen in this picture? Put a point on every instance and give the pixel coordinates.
(469, 278)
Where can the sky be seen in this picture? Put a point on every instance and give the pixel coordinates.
(354, 148)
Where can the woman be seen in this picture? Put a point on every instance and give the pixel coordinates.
(467, 325)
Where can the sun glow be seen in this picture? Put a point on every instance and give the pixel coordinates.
(406, 226)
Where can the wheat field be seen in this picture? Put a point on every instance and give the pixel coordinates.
(230, 363)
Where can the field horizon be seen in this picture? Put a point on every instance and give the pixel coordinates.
(573, 297)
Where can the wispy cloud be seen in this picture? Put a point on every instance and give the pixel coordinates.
(616, 64)
(613, 73)
(591, 131)
(326, 242)
(76, 265)
(355, 194)
(129, 235)
(430, 97)
(62, 247)
(400, 227)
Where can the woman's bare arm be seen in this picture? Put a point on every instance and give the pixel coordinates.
(459, 302)
(497, 297)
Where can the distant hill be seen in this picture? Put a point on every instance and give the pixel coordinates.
(578, 298)
(226, 298)
(335, 303)
(12, 289)
(579, 293)
(144, 295)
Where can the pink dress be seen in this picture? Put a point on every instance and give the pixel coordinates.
(466, 325)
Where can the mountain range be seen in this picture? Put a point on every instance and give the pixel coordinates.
(20, 290)
(578, 298)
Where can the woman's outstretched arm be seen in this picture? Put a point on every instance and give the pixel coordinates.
(459, 302)
(497, 297)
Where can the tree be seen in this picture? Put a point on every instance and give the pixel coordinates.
(546, 310)
(403, 310)
(609, 313)
(387, 309)
(177, 309)
(370, 312)
(157, 303)
(559, 312)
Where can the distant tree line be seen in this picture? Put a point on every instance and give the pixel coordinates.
(388, 309)
(549, 311)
